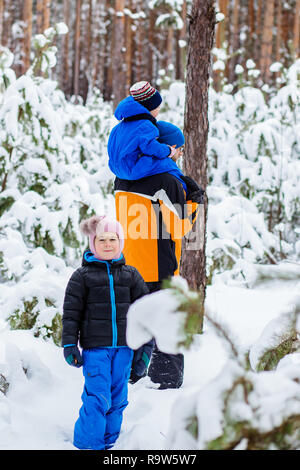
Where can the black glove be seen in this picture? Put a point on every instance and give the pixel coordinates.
(194, 192)
(140, 362)
(197, 196)
(72, 355)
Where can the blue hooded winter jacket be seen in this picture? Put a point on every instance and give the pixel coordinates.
(133, 149)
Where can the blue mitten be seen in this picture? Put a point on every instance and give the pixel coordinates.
(72, 355)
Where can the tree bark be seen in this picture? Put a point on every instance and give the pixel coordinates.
(1, 19)
(39, 16)
(278, 30)
(97, 49)
(27, 18)
(118, 57)
(77, 49)
(180, 51)
(89, 34)
(151, 35)
(251, 28)
(220, 42)
(201, 37)
(259, 16)
(266, 43)
(235, 40)
(65, 68)
(46, 14)
(109, 47)
(296, 30)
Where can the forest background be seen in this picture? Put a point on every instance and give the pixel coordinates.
(114, 43)
(62, 66)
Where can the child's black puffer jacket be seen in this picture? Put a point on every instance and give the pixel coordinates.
(97, 299)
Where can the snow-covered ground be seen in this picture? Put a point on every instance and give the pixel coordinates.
(41, 406)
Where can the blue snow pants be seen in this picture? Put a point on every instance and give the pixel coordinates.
(104, 398)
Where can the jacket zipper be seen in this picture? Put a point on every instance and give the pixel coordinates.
(113, 307)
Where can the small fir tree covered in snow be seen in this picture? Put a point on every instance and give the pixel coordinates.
(51, 177)
(245, 406)
(253, 174)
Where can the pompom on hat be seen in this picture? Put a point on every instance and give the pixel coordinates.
(170, 134)
(146, 95)
(96, 225)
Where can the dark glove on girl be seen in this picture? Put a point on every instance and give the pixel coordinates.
(140, 362)
(72, 355)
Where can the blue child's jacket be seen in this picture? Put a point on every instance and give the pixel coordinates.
(131, 145)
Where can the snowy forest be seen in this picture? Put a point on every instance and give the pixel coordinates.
(64, 65)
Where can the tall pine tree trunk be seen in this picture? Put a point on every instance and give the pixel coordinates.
(97, 45)
(296, 30)
(39, 16)
(1, 19)
(77, 48)
(151, 33)
(118, 57)
(180, 51)
(235, 40)
(267, 39)
(65, 67)
(278, 30)
(46, 14)
(27, 18)
(259, 17)
(201, 37)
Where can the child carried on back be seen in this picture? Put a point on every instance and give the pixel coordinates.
(139, 145)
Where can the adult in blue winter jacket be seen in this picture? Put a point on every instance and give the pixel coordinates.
(135, 148)
(97, 298)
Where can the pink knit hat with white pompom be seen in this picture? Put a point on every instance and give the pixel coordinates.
(96, 225)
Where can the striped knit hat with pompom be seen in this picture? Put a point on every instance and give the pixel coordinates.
(146, 95)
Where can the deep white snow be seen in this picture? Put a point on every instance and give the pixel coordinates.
(42, 405)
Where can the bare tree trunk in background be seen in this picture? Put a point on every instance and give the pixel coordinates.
(39, 16)
(235, 40)
(77, 49)
(296, 30)
(128, 46)
(85, 48)
(257, 48)
(118, 57)
(278, 30)
(169, 47)
(180, 54)
(55, 11)
(201, 37)
(287, 19)
(27, 18)
(139, 43)
(97, 53)
(89, 35)
(278, 39)
(109, 44)
(267, 40)
(42, 15)
(46, 14)
(220, 40)
(251, 27)
(65, 69)
(9, 18)
(151, 34)
(1, 19)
